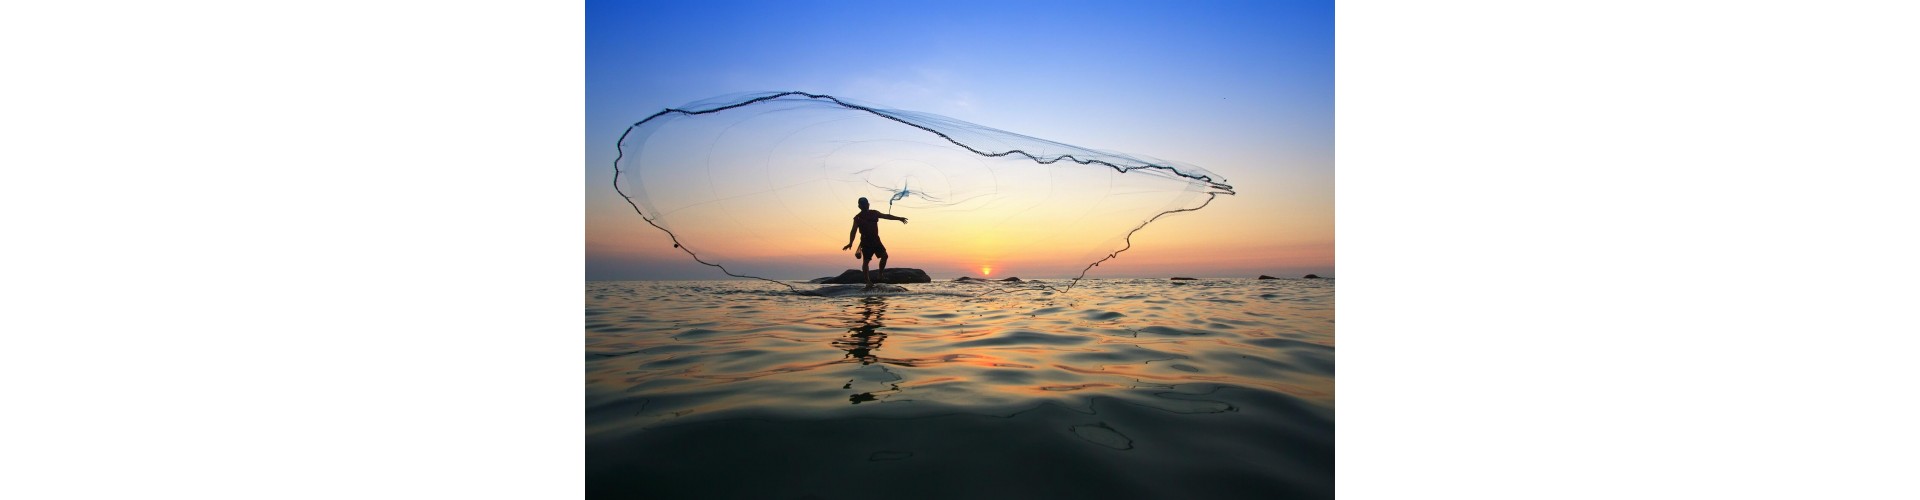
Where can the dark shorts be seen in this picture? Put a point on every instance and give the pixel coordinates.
(873, 249)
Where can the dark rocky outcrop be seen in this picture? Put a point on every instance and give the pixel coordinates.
(893, 275)
(970, 279)
(982, 279)
(1178, 278)
(1265, 277)
(1312, 276)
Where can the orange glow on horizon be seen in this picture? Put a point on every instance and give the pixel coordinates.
(986, 270)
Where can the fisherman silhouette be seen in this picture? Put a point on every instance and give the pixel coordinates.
(867, 224)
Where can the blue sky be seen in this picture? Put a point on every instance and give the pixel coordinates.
(1243, 89)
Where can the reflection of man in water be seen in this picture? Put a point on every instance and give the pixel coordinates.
(864, 337)
(867, 223)
(862, 343)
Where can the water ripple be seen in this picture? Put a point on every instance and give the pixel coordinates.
(1187, 380)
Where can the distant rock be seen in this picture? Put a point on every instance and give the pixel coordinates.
(893, 275)
(1178, 278)
(970, 279)
(1265, 277)
(1312, 276)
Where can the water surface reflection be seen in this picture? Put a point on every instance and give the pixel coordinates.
(862, 340)
(1129, 389)
(863, 333)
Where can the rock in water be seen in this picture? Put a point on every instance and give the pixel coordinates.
(893, 275)
(1179, 278)
(1313, 276)
(1265, 277)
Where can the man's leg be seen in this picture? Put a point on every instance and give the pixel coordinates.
(882, 251)
(863, 269)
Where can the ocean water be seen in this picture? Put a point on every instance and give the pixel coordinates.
(1117, 389)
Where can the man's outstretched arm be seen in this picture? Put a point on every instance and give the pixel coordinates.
(903, 220)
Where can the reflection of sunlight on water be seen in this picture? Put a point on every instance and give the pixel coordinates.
(1188, 383)
(699, 348)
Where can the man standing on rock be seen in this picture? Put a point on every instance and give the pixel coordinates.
(867, 223)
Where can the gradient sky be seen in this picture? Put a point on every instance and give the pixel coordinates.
(1243, 89)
